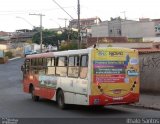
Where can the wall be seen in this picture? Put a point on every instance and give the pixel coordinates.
(100, 30)
(150, 72)
(115, 28)
(3, 46)
(127, 45)
(149, 39)
(135, 29)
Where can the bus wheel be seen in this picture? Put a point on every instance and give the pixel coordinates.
(60, 99)
(34, 97)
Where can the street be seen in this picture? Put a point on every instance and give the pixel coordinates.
(16, 104)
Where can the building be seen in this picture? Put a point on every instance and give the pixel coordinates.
(137, 29)
(117, 27)
(5, 36)
(110, 28)
(157, 26)
(114, 27)
(4, 40)
(100, 30)
(23, 35)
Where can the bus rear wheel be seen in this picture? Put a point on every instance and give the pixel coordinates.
(60, 99)
(34, 97)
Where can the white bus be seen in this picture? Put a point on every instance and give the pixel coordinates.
(92, 77)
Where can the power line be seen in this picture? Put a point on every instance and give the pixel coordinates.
(25, 20)
(26, 12)
(65, 19)
(63, 9)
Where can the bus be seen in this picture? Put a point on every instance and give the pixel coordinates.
(91, 77)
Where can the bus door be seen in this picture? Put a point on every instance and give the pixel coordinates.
(47, 78)
(81, 82)
(73, 73)
(66, 78)
(25, 68)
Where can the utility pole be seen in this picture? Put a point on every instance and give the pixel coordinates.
(65, 19)
(79, 39)
(124, 12)
(41, 37)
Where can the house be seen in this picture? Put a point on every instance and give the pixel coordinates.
(4, 40)
(4, 36)
(23, 35)
(157, 26)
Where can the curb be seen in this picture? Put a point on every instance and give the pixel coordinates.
(14, 58)
(145, 106)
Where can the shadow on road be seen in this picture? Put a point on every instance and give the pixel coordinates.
(87, 110)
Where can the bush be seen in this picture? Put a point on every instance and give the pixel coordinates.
(9, 54)
(68, 46)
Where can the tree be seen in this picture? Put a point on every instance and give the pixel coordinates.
(68, 35)
(29, 41)
(69, 46)
(52, 38)
(49, 37)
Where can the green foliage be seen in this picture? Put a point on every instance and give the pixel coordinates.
(69, 46)
(29, 41)
(49, 37)
(36, 38)
(72, 45)
(74, 35)
(109, 45)
(52, 37)
(133, 40)
(83, 46)
(1, 39)
(9, 54)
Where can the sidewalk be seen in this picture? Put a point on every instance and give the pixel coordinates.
(14, 58)
(149, 101)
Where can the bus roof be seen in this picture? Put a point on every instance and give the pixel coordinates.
(75, 52)
(60, 53)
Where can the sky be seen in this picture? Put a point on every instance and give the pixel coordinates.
(14, 14)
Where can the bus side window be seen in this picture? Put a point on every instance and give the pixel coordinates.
(83, 66)
(49, 61)
(39, 66)
(44, 62)
(35, 66)
(73, 68)
(40, 62)
(26, 66)
(50, 66)
(61, 69)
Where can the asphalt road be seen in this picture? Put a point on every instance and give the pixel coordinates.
(16, 104)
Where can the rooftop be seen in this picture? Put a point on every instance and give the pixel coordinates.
(2, 33)
(86, 19)
(148, 50)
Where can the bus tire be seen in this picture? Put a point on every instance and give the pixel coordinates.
(61, 99)
(34, 97)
